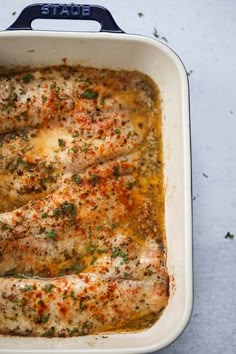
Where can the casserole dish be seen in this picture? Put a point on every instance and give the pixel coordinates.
(129, 52)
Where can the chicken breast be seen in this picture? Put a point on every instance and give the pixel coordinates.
(78, 305)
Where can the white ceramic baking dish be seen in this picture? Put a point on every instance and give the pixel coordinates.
(130, 52)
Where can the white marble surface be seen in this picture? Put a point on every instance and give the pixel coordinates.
(203, 33)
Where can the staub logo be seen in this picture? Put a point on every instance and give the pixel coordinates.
(65, 10)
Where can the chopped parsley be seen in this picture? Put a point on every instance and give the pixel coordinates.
(25, 137)
(149, 272)
(91, 248)
(93, 179)
(131, 185)
(116, 171)
(102, 100)
(49, 333)
(51, 234)
(65, 209)
(72, 295)
(27, 78)
(75, 134)
(155, 33)
(73, 330)
(49, 287)
(44, 98)
(113, 226)
(89, 94)
(82, 307)
(117, 131)
(43, 319)
(229, 235)
(140, 14)
(76, 178)
(189, 72)
(117, 252)
(61, 142)
(22, 92)
(75, 149)
(28, 288)
(99, 227)
(44, 215)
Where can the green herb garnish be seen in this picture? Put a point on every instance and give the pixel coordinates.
(28, 288)
(116, 171)
(76, 178)
(27, 77)
(93, 179)
(229, 235)
(22, 92)
(131, 184)
(49, 287)
(43, 319)
(117, 252)
(82, 307)
(51, 234)
(72, 295)
(155, 33)
(65, 209)
(49, 333)
(44, 98)
(89, 94)
(61, 142)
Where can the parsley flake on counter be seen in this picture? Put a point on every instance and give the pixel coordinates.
(229, 235)
(140, 14)
(189, 72)
(155, 33)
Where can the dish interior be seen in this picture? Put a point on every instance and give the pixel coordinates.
(166, 70)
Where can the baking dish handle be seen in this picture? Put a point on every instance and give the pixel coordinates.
(68, 12)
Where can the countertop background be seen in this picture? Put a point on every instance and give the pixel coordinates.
(203, 33)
